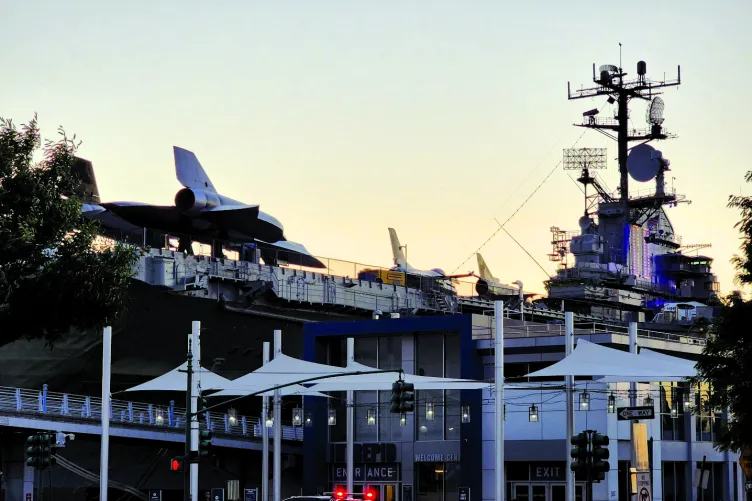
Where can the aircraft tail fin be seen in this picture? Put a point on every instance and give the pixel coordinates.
(87, 188)
(189, 171)
(485, 273)
(399, 256)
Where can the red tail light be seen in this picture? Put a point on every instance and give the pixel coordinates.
(340, 494)
(370, 495)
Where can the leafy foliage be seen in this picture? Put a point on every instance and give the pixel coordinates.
(51, 276)
(726, 362)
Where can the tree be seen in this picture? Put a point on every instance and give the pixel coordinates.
(726, 362)
(52, 278)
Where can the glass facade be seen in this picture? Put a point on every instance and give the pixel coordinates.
(714, 492)
(708, 422)
(437, 481)
(674, 481)
(438, 411)
(672, 411)
(373, 421)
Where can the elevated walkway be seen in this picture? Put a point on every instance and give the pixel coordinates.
(49, 411)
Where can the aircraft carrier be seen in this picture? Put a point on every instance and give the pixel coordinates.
(628, 265)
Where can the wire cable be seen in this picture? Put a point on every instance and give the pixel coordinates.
(518, 208)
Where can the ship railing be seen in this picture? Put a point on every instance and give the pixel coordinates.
(63, 406)
(584, 328)
(233, 268)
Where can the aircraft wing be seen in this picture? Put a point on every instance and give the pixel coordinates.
(292, 253)
(230, 216)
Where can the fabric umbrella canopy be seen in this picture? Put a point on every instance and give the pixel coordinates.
(175, 380)
(384, 381)
(590, 359)
(680, 368)
(281, 370)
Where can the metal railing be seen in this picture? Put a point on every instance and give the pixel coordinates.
(582, 329)
(62, 406)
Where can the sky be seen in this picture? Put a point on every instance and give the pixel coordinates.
(343, 118)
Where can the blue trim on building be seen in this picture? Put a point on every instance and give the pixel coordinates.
(316, 473)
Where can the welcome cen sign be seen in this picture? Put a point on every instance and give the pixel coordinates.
(380, 472)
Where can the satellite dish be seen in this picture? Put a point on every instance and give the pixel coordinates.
(643, 163)
(654, 115)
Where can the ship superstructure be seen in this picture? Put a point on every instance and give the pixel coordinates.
(628, 259)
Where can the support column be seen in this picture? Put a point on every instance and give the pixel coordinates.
(104, 457)
(350, 420)
(277, 426)
(568, 348)
(265, 438)
(499, 399)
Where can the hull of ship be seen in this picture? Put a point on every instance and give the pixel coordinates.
(150, 340)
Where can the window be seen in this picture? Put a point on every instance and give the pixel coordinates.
(437, 481)
(384, 352)
(672, 397)
(438, 414)
(674, 481)
(390, 357)
(714, 492)
(709, 422)
(366, 402)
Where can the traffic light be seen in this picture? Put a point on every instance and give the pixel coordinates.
(371, 494)
(176, 464)
(407, 398)
(394, 401)
(580, 454)
(39, 451)
(204, 442)
(600, 455)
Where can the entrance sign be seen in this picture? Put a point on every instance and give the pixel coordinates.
(644, 487)
(631, 413)
(464, 493)
(375, 472)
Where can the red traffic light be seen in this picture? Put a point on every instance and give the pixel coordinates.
(340, 494)
(176, 464)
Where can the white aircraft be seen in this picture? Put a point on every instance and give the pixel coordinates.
(488, 285)
(400, 262)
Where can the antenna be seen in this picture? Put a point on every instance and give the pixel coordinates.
(584, 159)
(620, 66)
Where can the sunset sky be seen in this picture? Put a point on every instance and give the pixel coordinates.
(342, 118)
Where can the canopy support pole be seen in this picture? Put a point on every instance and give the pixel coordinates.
(104, 457)
(499, 398)
(350, 420)
(277, 426)
(569, 347)
(195, 389)
(265, 438)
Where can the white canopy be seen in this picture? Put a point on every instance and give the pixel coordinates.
(679, 367)
(175, 380)
(385, 380)
(590, 359)
(281, 370)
